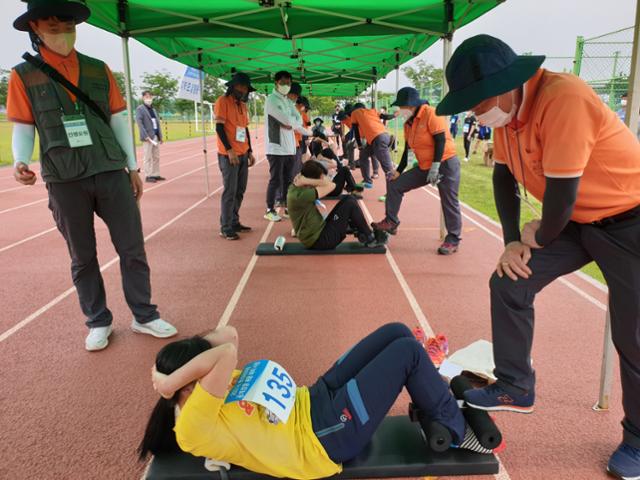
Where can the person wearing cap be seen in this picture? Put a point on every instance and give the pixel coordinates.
(427, 135)
(366, 123)
(589, 183)
(348, 142)
(282, 119)
(318, 127)
(148, 122)
(235, 155)
(87, 160)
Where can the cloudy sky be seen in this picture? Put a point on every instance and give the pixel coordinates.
(548, 27)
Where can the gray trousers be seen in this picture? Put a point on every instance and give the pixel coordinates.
(380, 150)
(109, 195)
(234, 180)
(616, 250)
(280, 168)
(448, 189)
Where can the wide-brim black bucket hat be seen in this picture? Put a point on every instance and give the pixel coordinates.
(483, 67)
(37, 9)
(240, 78)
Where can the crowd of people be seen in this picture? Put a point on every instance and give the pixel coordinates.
(588, 180)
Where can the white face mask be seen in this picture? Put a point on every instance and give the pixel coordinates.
(496, 117)
(283, 89)
(61, 43)
(148, 101)
(405, 113)
(623, 102)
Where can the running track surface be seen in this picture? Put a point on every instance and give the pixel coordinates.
(70, 414)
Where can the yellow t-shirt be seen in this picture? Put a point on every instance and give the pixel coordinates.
(240, 433)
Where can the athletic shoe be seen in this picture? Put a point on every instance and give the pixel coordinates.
(382, 198)
(241, 228)
(285, 214)
(381, 237)
(159, 178)
(98, 338)
(386, 225)
(367, 184)
(358, 187)
(293, 233)
(625, 462)
(375, 175)
(466, 159)
(471, 442)
(378, 239)
(150, 179)
(157, 328)
(447, 248)
(356, 195)
(418, 332)
(494, 398)
(437, 347)
(272, 216)
(229, 234)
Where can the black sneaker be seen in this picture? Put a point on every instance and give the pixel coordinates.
(151, 179)
(241, 228)
(159, 178)
(229, 235)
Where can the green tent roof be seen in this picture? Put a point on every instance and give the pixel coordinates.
(333, 47)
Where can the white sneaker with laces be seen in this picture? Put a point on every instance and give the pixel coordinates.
(157, 328)
(466, 159)
(98, 338)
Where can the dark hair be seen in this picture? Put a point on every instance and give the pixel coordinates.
(313, 169)
(36, 41)
(316, 148)
(146, 92)
(159, 436)
(282, 74)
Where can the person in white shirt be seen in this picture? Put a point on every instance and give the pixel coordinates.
(281, 119)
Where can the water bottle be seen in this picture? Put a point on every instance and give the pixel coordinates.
(279, 243)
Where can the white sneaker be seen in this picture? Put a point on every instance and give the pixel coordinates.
(293, 233)
(466, 159)
(272, 216)
(157, 328)
(98, 338)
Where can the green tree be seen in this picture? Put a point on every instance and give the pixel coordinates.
(427, 79)
(163, 86)
(213, 88)
(4, 86)
(322, 106)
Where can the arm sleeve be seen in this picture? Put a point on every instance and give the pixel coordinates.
(120, 126)
(22, 142)
(356, 134)
(403, 161)
(505, 188)
(249, 140)
(222, 135)
(438, 148)
(559, 199)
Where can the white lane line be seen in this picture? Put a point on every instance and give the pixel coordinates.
(502, 473)
(17, 188)
(25, 240)
(235, 298)
(23, 323)
(562, 280)
(408, 293)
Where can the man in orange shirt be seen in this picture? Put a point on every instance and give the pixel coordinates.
(235, 155)
(366, 124)
(87, 160)
(589, 182)
(428, 136)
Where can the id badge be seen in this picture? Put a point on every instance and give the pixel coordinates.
(465, 129)
(266, 383)
(77, 130)
(241, 134)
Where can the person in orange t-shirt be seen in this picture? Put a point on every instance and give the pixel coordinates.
(428, 136)
(87, 160)
(235, 155)
(588, 179)
(366, 125)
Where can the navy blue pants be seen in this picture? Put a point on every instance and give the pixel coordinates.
(353, 397)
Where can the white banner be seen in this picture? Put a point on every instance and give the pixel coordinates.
(190, 85)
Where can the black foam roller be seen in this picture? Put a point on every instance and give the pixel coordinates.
(485, 429)
(438, 436)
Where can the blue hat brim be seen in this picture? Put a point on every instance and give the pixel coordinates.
(501, 82)
(78, 11)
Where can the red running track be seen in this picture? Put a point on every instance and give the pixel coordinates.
(67, 413)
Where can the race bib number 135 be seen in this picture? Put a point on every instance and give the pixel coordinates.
(268, 384)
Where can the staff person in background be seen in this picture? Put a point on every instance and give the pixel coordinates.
(235, 155)
(588, 179)
(148, 122)
(87, 161)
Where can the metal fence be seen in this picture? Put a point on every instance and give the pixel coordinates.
(604, 62)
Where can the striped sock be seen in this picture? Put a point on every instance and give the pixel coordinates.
(471, 442)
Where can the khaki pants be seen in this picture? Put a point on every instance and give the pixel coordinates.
(151, 158)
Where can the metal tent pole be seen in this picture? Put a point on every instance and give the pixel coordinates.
(447, 46)
(397, 88)
(204, 130)
(122, 17)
